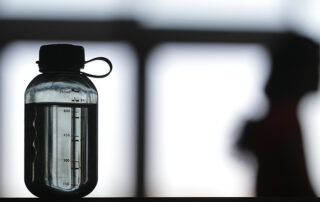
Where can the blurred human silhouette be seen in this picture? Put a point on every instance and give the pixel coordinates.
(276, 141)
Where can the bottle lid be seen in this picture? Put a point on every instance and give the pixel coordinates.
(61, 58)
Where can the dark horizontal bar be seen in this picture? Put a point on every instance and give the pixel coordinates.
(123, 30)
(64, 30)
(173, 199)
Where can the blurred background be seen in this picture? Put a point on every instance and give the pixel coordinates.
(187, 79)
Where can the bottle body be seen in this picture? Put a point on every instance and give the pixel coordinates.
(61, 135)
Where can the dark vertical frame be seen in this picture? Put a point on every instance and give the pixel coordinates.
(141, 117)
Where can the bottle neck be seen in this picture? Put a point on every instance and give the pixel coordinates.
(62, 71)
(60, 68)
(61, 74)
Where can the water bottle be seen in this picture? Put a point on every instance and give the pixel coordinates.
(61, 124)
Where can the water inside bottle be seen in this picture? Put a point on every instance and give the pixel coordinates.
(58, 137)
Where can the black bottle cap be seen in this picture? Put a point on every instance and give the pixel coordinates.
(61, 58)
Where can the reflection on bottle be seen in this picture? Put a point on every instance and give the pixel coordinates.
(61, 133)
(63, 146)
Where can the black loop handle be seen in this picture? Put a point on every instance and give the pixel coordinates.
(99, 76)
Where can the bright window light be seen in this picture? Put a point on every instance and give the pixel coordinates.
(304, 17)
(116, 116)
(309, 116)
(71, 9)
(224, 14)
(199, 96)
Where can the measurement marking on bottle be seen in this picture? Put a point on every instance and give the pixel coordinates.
(75, 140)
(78, 100)
(75, 168)
(75, 117)
(75, 90)
(68, 160)
(75, 100)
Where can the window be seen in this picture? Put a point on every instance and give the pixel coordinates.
(186, 78)
(199, 98)
(71, 10)
(116, 116)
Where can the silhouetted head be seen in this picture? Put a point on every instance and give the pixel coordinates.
(294, 68)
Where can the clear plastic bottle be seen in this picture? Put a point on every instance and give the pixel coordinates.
(61, 125)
